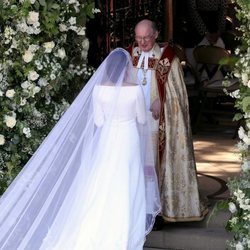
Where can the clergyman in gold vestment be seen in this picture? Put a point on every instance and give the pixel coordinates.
(160, 72)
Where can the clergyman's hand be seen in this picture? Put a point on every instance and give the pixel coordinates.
(155, 109)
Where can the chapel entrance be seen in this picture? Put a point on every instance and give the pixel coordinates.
(114, 25)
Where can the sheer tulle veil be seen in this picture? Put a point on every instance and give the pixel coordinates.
(43, 205)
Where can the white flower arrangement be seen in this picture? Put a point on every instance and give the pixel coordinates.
(40, 48)
(239, 202)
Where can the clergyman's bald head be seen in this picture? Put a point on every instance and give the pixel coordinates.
(147, 23)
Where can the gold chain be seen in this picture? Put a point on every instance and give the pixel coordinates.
(144, 80)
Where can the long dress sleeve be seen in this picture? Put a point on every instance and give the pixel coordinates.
(140, 107)
(98, 111)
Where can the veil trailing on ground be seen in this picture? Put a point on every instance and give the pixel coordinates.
(45, 200)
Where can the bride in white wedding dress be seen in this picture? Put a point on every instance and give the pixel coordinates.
(91, 185)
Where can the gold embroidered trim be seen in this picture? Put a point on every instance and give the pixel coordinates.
(152, 62)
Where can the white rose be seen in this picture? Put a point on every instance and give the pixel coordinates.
(42, 82)
(26, 130)
(22, 25)
(32, 76)
(33, 48)
(84, 54)
(36, 90)
(85, 44)
(72, 20)
(244, 78)
(1, 93)
(28, 56)
(14, 44)
(10, 121)
(33, 17)
(10, 93)
(72, 27)
(72, 1)
(235, 94)
(239, 246)
(37, 30)
(48, 46)
(62, 27)
(2, 139)
(27, 133)
(32, 1)
(237, 51)
(232, 208)
(81, 31)
(61, 53)
(241, 132)
(246, 139)
(25, 85)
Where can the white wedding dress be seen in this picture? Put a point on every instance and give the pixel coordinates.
(115, 198)
(91, 185)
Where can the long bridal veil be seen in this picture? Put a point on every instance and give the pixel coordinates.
(44, 202)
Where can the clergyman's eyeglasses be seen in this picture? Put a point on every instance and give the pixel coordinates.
(145, 38)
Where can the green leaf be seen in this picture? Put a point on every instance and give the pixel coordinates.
(237, 117)
(42, 2)
(89, 10)
(9, 166)
(36, 5)
(55, 6)
(246, 104)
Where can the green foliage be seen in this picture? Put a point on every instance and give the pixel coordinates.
(42, 67)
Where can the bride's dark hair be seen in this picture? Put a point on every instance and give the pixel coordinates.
(116, 63)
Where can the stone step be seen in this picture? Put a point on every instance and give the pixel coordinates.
(188, 239)
(149, 248)
(212, 220)
(209, 234)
